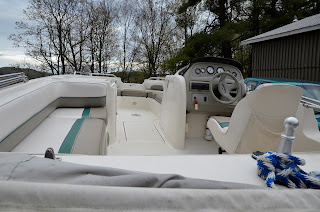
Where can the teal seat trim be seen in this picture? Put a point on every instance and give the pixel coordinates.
(224, 124)
(69, 140)
(86, 113)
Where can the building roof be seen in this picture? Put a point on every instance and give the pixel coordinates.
(304, 25)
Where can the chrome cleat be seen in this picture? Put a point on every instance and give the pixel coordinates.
(287, 137)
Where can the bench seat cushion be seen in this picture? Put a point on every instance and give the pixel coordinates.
(93, 110)
(70, 131)
(86, 136)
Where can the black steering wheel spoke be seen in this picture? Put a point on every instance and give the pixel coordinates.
(228, 87)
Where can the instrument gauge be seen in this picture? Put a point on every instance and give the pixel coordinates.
(198, 71)
(229, 71)
(234, 74)
(203, 70)
(210, 70)
(220, 70)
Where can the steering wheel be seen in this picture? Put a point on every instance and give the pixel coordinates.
(225, 87)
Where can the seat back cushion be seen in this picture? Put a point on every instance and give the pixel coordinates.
(156, 95)
(272, 103)
(17, 135)
(132, 92)
(156, 87)
(86, 102)
(257, 121)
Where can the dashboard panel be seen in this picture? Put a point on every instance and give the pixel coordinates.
(209, 70)
(198, 76)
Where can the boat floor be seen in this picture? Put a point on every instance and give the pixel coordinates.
(139, 133)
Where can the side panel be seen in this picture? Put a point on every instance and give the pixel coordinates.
(173, 113)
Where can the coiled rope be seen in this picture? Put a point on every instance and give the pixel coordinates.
(284, 169)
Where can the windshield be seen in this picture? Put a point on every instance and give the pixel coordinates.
(311, 91)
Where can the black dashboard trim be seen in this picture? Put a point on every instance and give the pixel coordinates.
(215, 60)
(199, 86)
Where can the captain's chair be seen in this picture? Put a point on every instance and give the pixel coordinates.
(257, 120)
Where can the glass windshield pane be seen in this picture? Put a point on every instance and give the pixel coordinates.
(252, 85)
(311, 91)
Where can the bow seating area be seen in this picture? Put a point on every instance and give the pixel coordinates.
(150, 88)
(71, 116)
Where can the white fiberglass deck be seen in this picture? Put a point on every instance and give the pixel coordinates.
(138, 125)
(139, 131)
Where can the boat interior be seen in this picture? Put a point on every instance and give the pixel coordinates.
(200, 112)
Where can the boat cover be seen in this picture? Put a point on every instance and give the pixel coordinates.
(31, 183)
(28, 168)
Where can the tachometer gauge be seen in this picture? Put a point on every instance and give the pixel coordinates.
(220, 69)
(203, 70)
(210, 70)
(198, 71)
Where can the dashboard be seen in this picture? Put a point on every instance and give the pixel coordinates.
(198, 76)
(208, 70)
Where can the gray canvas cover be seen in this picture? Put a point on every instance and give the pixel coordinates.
(28, 183)
(28, 168)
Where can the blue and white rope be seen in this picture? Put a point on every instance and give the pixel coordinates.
(284, 169)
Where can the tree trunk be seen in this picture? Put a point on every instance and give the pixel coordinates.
(226, 45)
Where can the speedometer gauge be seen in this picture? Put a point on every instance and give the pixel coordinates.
(210, 70)
(220, 70)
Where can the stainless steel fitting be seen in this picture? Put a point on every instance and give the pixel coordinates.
(287, 137)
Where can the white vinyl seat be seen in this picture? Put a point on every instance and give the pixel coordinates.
(134, 92)
(156, 95)
(132, 89)
(257, 120)
(53, 113)
(223, 122)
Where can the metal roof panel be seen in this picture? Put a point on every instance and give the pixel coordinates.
(304, 25)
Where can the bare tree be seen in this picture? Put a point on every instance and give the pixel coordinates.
(102, 34)
(68, 34)
(128, 45)
(106, 34)
(154, 29)
(186, 20)
(76, 33)
(43, 32)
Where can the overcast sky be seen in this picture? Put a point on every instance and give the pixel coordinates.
(10, 12)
